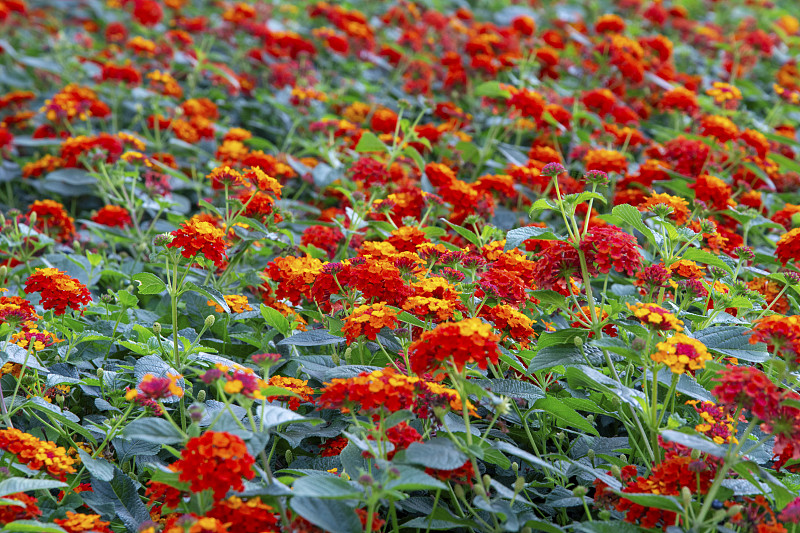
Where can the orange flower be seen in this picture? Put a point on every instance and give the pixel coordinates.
(466, 341)
(237, 303)
(515, 324)
(724, 93)
(368, 320)
(37, 454)
(225, 175)
(113, 216)
(682, 354)
(51, 216)
(156, 388)
(194, 237)
(298, 386)
(656, 317)
(679, 99)
(79, 523)
(46, 163)
(789, 246)
(686, 269)
(371, 392)
(720, 127)
(680, 211)
(295, 276)
(26, 508)
(769, 289)
(606, 160)
(57, 290)
(216, 461)
(251, 516)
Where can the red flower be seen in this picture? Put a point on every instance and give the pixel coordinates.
(194, 237)
(466, 341)
(52, 217)
(789, 246)
(251, 516)
(217, 461)
(57, 290)
(147, 12)
(611, 248)
(368, 320)
(113, 216)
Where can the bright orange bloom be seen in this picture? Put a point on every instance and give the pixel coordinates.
(368, 320)
(511, 322)
(769, 289)
(789, 246)
(682, 354)
(52, 217)
(680, 99)
(113, 216)
(466, 341)
(606, 160)
(225, 175)
(194, 237)
(724, 93)
(251, 516)
(720, 127)
(656, 317)
(79, 523)
(57, 290)
(28, 510)
(295, 276)
(680, 211)
(298, 386)
(686, 269)
(371, 392)
(215, 460)
(37, 454)
(237, 303)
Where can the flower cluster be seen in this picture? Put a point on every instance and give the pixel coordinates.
(200, 237)
(466, 341)
(217, 461)
(57, 290)
(681, 354)
(236, 380)
(37, 454)
(656, 317)
(368, 320)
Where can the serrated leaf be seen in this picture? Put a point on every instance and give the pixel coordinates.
(369, 142)
(211, 293)
(438, 453)
(328, 487)
(701, 256)
(313, 337)
(733, 341)
(331, 515)
(269, 416)
(149, 283)
(516, 237)
(469, 235)
(512, 388)
(630, 215)
(99, 468)
(156, 430)
(565, 414)
(274, 318)
(21, 484)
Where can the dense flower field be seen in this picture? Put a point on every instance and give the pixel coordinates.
(299, 266)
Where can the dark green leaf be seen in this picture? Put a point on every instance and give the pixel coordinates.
(331, 515)
(155, 430)
(149, 283)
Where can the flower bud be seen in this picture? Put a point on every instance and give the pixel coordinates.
(210, 319)
(590, 454)
(745, 253)
(196, 410)
(596, 177)
(792, 278)
(578, 342)
(157, 328)
(686, 496)
(580, 491)
(479, 490)
(3, 271)
(459, 490)
(289, 456)
(162, 239)
(76, 246)
(733, 510)
(515, 467)
(366, 480)
(623, 458)
(32, 218)
(487, 481)
(604, 515)
(719, 516)
(552, 169)
(695, 454)
(519, 484)
(201, 396)
(100, 372)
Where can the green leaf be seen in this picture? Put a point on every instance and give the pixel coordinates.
(149, 283)
(122, 492)
(414, 479)
(127, 299)
(695, 442)
(512, 388)
(669, 503)
(492, 89)
(566, 414)
(605, 527)
(99, 468)
(701, 256)
(210, 293)
(438, 453)
(630, 215)
(270, 416)
(516, 237)
(464, 232)
(412, 152)
(21, 484)
(331, 515)
(329, 487)
(733, 341)
(155, 430)
(785, 164)
(32, 526)
(469, 152)
(405, 316)
(369, 142)
(274, 318)
(313, 337)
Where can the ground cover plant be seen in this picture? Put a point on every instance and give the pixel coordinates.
(391, 266)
